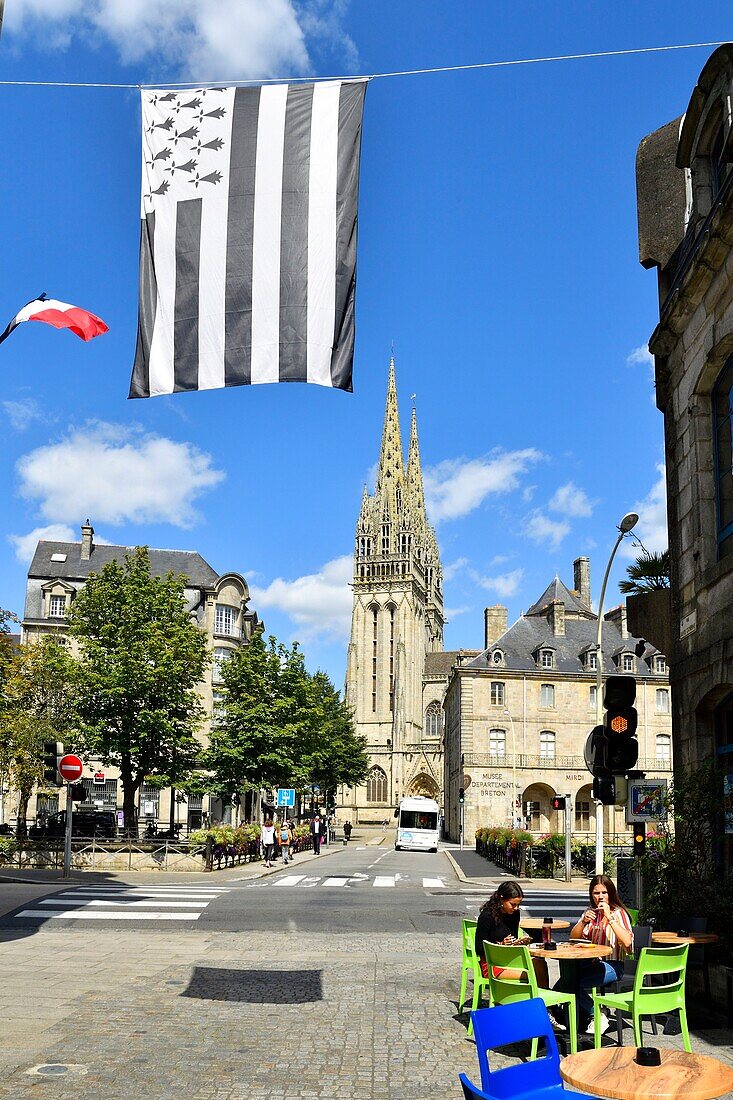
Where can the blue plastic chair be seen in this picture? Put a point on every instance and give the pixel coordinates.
(515, 1023)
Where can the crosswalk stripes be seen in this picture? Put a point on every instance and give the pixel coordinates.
(562, 904)
(126, 902)
(345, 881)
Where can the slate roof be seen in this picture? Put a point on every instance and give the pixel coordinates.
(199, 572)
(556, 590)
(529, 633)
(438, 665)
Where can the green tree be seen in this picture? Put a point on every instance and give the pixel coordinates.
(141, 658)
(336, 753)
(648, 573)
(6, 649)
(39, 705)
(257, 732)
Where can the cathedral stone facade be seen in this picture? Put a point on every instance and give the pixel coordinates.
(395, 679)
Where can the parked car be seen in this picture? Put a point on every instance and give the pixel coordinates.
(84, 823)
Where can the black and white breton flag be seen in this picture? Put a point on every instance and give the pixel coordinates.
(248, 236)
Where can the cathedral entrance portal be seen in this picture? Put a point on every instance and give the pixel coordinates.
(424, 786)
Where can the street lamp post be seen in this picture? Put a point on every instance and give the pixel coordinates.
(627, 523)
(507, 713)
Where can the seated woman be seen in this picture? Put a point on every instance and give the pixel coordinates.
(605, 922)
(498, 922)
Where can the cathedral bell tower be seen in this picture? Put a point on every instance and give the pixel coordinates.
(396, 620)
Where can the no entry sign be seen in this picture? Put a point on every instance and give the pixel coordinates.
(70, 768)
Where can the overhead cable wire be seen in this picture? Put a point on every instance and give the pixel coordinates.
(371, 76)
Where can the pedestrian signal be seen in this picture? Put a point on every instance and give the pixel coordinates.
(559, 803)
(639, 838)
(621, 746)
(461, 795)
(52, 753)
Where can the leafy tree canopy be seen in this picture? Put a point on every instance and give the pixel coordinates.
(140, 660)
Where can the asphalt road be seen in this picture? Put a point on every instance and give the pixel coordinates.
(358, 889)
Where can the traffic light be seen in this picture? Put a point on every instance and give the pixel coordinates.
(78, 792)
(639, 838)
(596, 751)
(461, 795)
(622, 748)
(52, 753)
(604, 789)
(559, 802)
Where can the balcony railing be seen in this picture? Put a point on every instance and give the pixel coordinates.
(225, 630)
(488, 760)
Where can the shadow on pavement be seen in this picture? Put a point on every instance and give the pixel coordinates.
(276, 987)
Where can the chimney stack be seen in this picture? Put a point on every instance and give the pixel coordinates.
(581, 580)
(617, 616)
(87, 540)
(556, 618)
(495, 620)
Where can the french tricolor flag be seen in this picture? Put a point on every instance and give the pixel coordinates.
(60, 315)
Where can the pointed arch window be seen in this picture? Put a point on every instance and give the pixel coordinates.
(398, 498)
(385, 539)
(376, 786)
(391, 657)
(723, 457)
(433, 719)
(375, 636)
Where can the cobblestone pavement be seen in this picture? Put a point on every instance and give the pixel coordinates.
(228, 1016)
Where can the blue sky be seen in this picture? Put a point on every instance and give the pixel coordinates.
(497, 250)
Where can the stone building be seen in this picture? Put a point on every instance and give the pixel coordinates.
(685, 212)
(517, 716)
(218, 604)
(396, 668)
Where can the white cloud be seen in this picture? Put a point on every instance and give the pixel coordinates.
(569, 500)
(319, 603)
(543, 530)
(453, 612)
(503, 584)
(453, 568)
(652, 525)
(21, 413)
(25, 545)
(207, 40)
(457, 486)
(644, 356)
(115, 474)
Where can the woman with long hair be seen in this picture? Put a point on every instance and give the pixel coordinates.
(606, 922)
(498, 922)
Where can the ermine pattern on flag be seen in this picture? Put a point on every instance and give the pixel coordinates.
(248, 236)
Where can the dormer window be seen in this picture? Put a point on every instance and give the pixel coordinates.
(497, 657)
(660, 663)
(547, 658)
(627, 662)
(57, 607)
(719, 165)
(591, 660)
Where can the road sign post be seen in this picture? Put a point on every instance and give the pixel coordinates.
(70, 769)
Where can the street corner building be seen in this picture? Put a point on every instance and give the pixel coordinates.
(684, 176)
(218, 603)
(518, 714)
(248, 236)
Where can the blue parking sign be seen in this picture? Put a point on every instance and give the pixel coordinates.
(285, 797)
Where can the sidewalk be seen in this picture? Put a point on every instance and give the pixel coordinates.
(473, 868)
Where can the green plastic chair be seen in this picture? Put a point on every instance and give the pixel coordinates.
(471, 968)
(650, 1000)
(634, 914)
(508, 990)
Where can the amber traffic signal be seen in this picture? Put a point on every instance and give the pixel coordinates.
(639, 838)
(619, 727)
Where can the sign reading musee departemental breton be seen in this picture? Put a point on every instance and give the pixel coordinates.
(646, 800)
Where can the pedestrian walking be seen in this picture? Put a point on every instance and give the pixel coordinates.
(317, 833)
(268, 841)
(347, 830)
(286, 839)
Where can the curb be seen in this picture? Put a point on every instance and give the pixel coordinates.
(527, 883)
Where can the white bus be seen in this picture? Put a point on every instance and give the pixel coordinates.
(417, 825)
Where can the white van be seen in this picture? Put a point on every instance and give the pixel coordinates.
(417, 825)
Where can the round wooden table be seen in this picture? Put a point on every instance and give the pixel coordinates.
(613, 1071)
(572, 950)
(534, 923)
(671, 939)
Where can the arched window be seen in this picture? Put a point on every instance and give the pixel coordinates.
(663, 748)
(376, 785)
(434, 720)
(723, 457)
(547, 745)
(497, 742)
